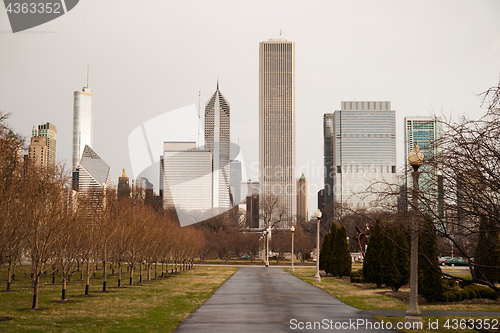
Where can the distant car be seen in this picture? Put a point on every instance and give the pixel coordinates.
(245, 257)
(443, 259)
(456, 262)
(314, 258)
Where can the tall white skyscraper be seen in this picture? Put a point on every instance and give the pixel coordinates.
(364, 150)
(277, 124)
(217, 140)
(83, 113)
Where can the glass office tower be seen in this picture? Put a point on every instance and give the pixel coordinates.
(364, 151)
(426, 133)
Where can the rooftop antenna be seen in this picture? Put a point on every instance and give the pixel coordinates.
(280, 32)
(88, 75)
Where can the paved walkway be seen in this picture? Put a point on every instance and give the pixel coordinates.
(259, 299)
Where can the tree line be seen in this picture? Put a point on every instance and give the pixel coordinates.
(46, 227)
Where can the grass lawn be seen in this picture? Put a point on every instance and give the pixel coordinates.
(372, 299)
(148, 307)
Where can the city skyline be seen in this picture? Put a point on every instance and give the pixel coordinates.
(387, 53)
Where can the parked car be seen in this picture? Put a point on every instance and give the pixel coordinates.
(314, 258)
(246, 257)
(443, 259)
(456, 262)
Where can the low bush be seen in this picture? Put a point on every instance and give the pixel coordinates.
(357, 276)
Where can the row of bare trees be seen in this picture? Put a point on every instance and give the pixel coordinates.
(45, 226)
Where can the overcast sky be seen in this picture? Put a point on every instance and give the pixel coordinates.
(153, 56)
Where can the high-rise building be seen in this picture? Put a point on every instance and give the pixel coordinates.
(83, 110)
(235, 181)
(277, 124)
(38, 152)
(364, 151)
(187, 177)
(123, 186)
(49, 132)
(92, 173)
(217, 140)
(426, 133)
(252, 211)
(328, 143)
(302, 198)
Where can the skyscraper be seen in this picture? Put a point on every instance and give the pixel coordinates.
(38, 152)
(123, 186)
(426, 133)
(364, 150)
(83, 110)
(217, 140)
(302, 198)
(277, 124)
(328, 143)
(187, 177)
(235, 181)
(49, 132)
(92, 173)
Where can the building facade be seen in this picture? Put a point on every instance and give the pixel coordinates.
(49, 132)
(364, 151)
(426, 132)
(217, 141)
(38, 152)
(123, 190)
(329, 167)
(187, 177)
(83, 113)
(277, 159)
(235, 181)
(302, 198)
(92, 173)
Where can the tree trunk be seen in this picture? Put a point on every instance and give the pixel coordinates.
(131, 270)
(87, 285)
(14, 272)
(104, 275)
(156, 270)
(149, 272)
(8, 275)
(119, 274)
(140, 273)
(36, 289)
(53, 277)
(64, 289)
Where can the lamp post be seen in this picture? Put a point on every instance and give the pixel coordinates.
(292, 229)
(267, 232)
(316, 277)
(413, 314)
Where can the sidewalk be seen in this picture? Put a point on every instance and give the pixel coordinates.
(259, 299)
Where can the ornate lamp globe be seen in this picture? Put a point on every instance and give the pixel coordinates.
(292, 229)
(416, 158)
(318, 212)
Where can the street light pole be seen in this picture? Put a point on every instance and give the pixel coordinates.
(317, 278)
(292, 229)
(413, 314)
(268, 232)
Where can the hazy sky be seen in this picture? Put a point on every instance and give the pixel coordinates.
(150, 57)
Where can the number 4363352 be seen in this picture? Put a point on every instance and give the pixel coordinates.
(32, 8)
